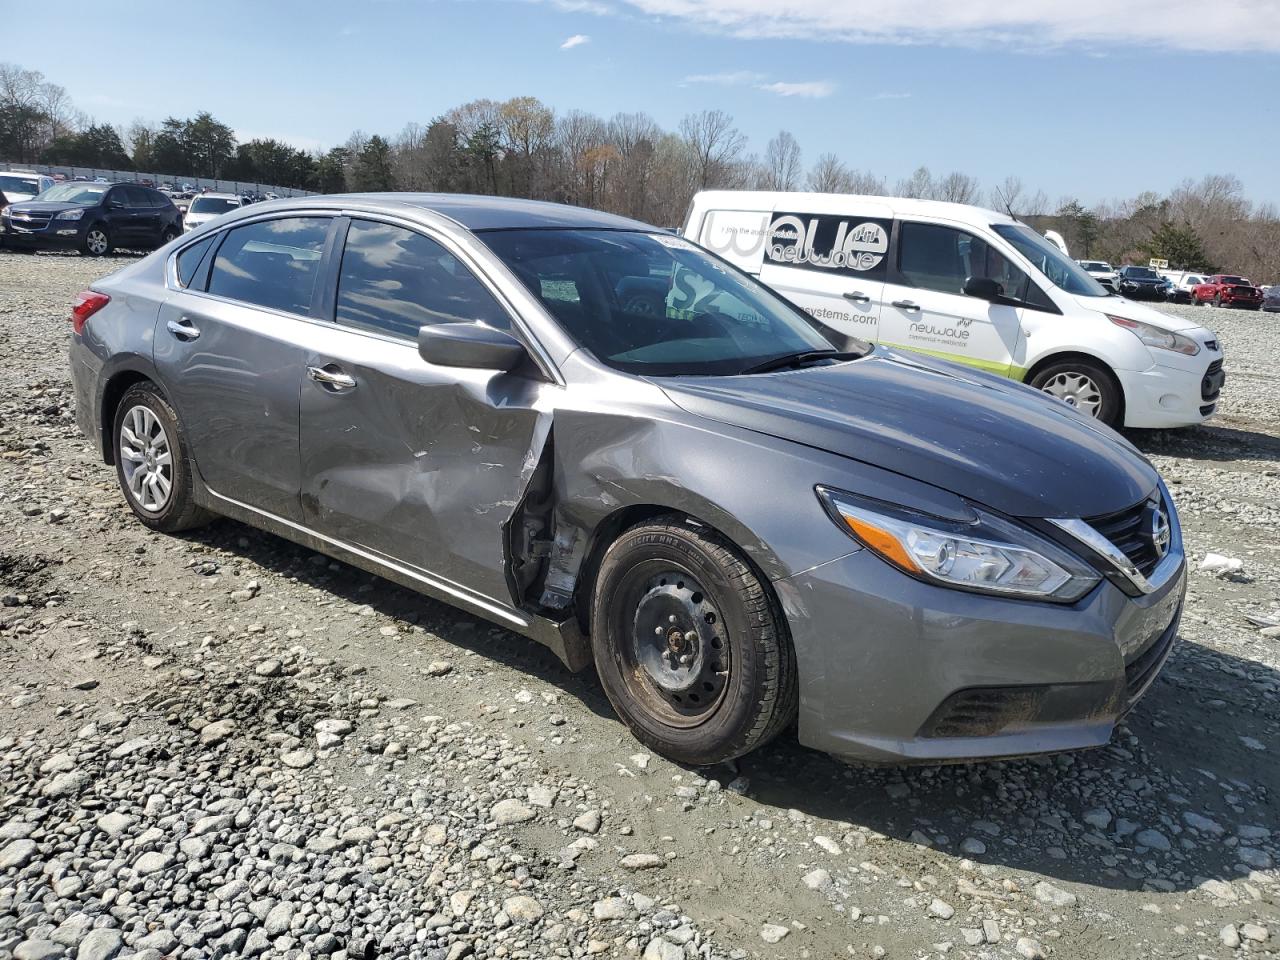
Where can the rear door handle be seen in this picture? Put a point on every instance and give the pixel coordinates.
(857, 296)
(183, 328)
(908, 305)
(332, 377)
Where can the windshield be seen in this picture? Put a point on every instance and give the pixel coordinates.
(213, 205)
(652, 303)
(82, 193)
(10, 184)
(1098, 265)
(1235, 280)
(1141, 273)
(1063, 272)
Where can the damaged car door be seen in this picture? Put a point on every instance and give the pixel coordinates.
(416, 464)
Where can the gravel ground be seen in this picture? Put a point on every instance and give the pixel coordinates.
(222, 745)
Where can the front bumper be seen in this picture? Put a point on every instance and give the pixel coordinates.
(1164, 396)
(893, 670)
(67, 234)
(1141, 292)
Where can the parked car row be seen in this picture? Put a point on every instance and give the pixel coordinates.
(1178, 286)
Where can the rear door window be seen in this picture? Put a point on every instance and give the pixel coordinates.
(271, 263)
(394, 281)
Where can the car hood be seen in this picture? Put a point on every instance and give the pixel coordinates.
(983, 438)
(45, 206)
(1129, 310)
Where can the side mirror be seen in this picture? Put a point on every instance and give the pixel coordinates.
(984, 288)
(472, 345)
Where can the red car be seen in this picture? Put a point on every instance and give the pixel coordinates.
(1224, 290)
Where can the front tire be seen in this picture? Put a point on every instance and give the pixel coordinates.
(153, 463)
(689, 644)
(1087, 386)
(97, 241)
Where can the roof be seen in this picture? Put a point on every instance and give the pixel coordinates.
(501, 213)
(842, 203)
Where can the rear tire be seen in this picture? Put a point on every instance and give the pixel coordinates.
(1086, 385)
(689, 644)
(169, 235)
(153, 462)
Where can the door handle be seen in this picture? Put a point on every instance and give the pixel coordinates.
(908, 305)
(857, 296)
(331, 376)
(183, 329)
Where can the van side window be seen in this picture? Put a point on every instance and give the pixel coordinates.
(933, 257)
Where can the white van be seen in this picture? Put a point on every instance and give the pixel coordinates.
(972, 286)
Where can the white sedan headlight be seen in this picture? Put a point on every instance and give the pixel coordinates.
(989, 555)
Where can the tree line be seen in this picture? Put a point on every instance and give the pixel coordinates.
(626, 164)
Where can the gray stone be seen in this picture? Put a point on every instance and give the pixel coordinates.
(660, 949)
(18, 854)
(100, 944)
(611, 908)
(522, 909)
(506, 812)
(38, 950)
(588, 822)
(773, 932)
(278, 919)
(941, 909)
(1153, 840)
(640, 861)
(152, 862)
(1054, 896)
(214, 733)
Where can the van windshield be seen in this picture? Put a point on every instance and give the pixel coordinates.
(1063, 272)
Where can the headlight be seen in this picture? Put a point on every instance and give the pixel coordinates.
(1155, 337)
(988, 555)
(70, 215)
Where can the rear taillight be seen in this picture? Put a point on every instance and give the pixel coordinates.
(88, 302)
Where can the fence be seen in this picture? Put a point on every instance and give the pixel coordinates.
(136, 176)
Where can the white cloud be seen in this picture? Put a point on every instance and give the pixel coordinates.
(577, 40)
(730, 78)
(1226, 25)
(807, 88)
(582, 6)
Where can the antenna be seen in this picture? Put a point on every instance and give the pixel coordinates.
(1007, 206)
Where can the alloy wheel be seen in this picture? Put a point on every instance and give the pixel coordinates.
(1076, 390)
(146, 459)
(96, 241)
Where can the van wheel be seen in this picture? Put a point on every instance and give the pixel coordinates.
(152, 462)
(1089, 387)
(689, 644)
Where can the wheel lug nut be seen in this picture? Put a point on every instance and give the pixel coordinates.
(686, 660)
(691, 637)
(657, 631)
(671, 619)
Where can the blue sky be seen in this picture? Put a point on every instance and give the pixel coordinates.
(1094, 99)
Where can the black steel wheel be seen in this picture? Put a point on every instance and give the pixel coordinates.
(689, 645)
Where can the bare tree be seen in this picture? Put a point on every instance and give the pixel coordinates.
(919, 185)
(634, 137)
(956, 187)
(714, 143)
(781, 168)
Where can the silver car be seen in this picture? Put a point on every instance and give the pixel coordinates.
(604, 438)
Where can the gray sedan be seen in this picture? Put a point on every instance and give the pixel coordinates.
(604, 438)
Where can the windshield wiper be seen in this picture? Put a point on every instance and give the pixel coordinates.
(797, 359)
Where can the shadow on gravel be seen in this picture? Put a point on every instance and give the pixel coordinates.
(1205, 442)
(1181, 750)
